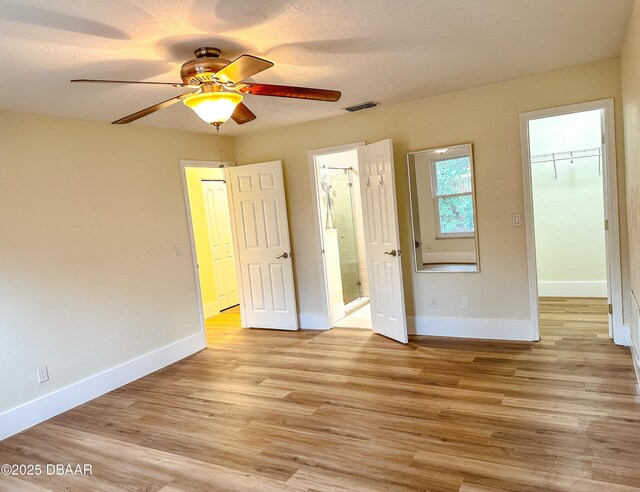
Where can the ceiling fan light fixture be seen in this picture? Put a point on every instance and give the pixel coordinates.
(213, 107)
(219, 83)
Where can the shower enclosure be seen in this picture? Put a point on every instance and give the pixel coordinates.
(342, 219)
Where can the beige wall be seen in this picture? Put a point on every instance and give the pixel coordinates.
(631, 101)
(487, 117)
(89, 277)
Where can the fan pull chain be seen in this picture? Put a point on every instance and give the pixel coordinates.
(219, 144)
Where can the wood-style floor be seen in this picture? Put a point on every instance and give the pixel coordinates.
(346, 410)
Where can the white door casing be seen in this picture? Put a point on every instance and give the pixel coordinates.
(220, 243)
(607, 213)
(382, 240)
(264, 248)
(617, 329)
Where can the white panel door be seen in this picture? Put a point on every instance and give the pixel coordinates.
(264, 250)
(382, 240)
(223, 263)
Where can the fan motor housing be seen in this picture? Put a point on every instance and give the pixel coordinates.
(206, 64)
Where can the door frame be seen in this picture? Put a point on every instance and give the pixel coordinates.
(192, 243)
(610, 190)
(327, 311)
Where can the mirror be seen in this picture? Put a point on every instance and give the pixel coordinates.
(443, 209)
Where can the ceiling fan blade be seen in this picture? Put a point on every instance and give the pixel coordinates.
(242, 114)
(99, 81)
(290, 91)
(242, 67)
(150, 109)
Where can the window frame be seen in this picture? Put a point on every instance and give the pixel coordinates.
(456, 154)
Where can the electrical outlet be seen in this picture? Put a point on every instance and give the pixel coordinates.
(464, 302)
(178, 249)
(517, 220)
(43, 374)
(433, 302)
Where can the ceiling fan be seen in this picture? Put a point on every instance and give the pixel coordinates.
(219, 86)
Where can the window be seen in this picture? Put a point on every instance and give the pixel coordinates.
(453, 195)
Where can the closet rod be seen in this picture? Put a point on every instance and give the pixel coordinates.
(565, 158)
(566, 155)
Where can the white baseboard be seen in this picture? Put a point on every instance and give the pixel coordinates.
(634, 334)
(313, 321)
(636, 362)
(587, 288)
(622, 335)
(33, 412)
(210, 310)
(495, 329)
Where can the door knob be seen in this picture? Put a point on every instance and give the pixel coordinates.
(391, 253)
(283, 255)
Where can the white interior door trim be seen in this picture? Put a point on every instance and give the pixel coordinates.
(197, 163)
(312, 155)
(184, 163)
(610, 184)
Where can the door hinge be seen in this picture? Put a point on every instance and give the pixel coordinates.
(606, 224)
(602, 139)
(610, 309)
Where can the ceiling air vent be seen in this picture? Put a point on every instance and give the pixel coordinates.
(361, 106)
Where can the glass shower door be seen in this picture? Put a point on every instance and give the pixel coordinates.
(344, 222)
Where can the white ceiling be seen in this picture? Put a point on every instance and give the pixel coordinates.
(382, 50)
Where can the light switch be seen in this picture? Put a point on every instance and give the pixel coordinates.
(517, 220)
(43, 374)
(464, 302)
(178, 249)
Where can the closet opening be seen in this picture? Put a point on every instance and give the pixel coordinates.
(341, 233)
(571, 215)
(210, 221)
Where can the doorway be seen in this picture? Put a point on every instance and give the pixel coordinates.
(341, 231)
(571, 212)
(252, 234)
(212, 235)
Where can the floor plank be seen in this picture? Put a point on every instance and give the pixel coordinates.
(347, 410)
